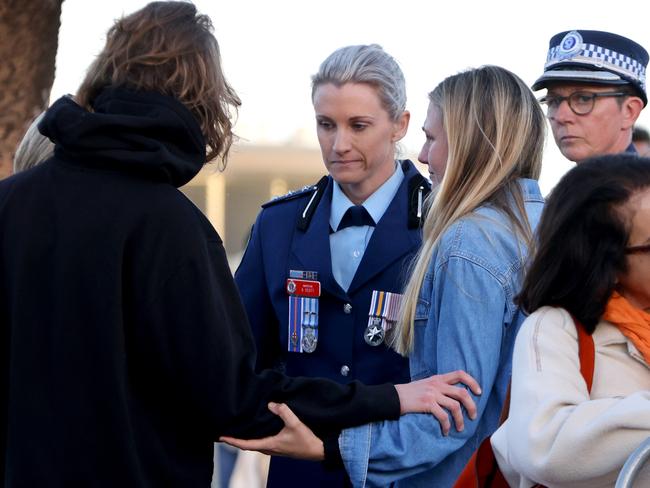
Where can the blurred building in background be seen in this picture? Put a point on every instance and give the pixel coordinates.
(231, 199)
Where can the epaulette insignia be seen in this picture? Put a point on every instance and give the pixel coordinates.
(290, 196)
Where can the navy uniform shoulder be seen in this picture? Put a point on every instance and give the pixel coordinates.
(305, 191)
(292, 195)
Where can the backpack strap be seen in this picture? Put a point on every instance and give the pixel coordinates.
(587, 356)
(482, 470)
(586, 352)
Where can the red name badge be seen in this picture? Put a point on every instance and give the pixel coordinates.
(303, 288)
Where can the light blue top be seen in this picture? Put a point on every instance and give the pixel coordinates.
(348, 245)
(465, 320)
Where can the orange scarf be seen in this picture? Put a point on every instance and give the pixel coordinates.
(633, 322)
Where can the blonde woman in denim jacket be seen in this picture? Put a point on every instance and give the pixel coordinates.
(484, 139)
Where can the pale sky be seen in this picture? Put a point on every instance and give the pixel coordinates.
(270, 49)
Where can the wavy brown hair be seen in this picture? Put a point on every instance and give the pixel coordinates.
(169, 48)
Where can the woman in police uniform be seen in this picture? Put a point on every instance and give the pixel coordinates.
(324, 268)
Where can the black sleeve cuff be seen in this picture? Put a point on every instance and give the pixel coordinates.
(385, 402)
(333, 458)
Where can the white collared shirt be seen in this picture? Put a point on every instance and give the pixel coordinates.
(348, 245)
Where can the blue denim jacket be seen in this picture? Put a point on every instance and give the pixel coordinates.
(465, 319)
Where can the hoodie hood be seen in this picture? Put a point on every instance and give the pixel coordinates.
(146, 134)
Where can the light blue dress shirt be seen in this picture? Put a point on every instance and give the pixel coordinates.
(465, 319)
(348, 245)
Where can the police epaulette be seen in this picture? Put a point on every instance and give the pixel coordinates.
(292, 195)
(419, 188)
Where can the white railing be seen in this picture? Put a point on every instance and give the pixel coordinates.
(633, 465)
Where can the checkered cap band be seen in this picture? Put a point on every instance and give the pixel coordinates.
(591, 55)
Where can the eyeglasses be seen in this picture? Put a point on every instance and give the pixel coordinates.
(581, 103)
(638, 249)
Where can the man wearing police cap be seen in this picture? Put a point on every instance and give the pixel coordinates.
(596, 90)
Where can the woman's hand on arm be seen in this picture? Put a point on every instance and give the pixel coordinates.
(295, 440)
(439, 395)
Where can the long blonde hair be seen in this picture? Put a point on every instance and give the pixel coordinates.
(495, 133)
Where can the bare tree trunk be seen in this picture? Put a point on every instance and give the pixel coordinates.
(29, 31)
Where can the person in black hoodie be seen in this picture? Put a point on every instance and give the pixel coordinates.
(124, 348)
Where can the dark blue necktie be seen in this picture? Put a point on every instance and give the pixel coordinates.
(356, 216)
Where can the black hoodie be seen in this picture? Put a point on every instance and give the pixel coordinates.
(124, 348)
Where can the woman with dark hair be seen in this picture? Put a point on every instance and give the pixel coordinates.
(592, 267)
(125, 349)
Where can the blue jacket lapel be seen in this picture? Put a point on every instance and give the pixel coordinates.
(312, 247)
(391, 239)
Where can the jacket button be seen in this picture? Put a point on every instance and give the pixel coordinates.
(345, 370)
(347, 308)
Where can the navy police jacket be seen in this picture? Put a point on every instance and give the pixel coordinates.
(292, 233)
